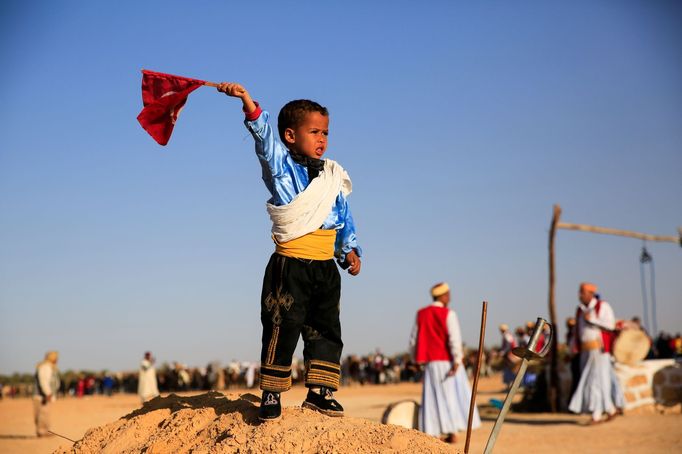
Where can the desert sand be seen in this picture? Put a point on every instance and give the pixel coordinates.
(226, 422)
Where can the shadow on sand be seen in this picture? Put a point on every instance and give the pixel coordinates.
(489, 413)
(18, 437)
(244, 404)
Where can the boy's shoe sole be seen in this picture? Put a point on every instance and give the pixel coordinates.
(312, 406)
(269, 419)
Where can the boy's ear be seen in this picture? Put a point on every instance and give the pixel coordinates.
(289, 135)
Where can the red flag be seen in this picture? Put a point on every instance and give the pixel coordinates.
(163, 96)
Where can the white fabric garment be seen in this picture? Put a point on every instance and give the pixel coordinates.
(617, 395)
(445, 400)
(309, 209)
(48, 381)
(454, 335)
(147, 387)
(594, 392)
(591, 330)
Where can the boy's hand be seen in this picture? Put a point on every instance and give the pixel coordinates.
(354, 263)
(237, 91)
(232, 89)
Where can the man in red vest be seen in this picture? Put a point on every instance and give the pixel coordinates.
(436, 343)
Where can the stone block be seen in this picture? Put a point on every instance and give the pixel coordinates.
(646, 393)
(637, 380)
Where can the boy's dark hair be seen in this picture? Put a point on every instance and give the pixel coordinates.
(293, 113)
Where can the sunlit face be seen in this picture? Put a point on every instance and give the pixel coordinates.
(445, 299)
(310, 137)
(584, 295)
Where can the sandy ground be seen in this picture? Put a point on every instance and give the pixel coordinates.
(643, 432)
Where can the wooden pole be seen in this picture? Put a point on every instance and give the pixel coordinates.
(627, 233)
(554, 390)
(472, 404)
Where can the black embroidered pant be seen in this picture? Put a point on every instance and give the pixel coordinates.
(300, 298)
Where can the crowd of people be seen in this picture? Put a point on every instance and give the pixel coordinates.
(357, 370)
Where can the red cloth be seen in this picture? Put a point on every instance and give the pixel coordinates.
(163, 96)
(253, 116)
(432, 335)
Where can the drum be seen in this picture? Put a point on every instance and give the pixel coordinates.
(404, 413)
(631, 346)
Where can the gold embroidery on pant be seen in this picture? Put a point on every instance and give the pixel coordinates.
(319, 362)
(277, 368)
(275, 303)
(275, 384)
(318, 373)
(322, 381)
(270, 358)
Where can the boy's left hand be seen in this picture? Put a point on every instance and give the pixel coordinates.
(354, 263)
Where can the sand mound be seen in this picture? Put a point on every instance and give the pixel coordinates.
(216, 423)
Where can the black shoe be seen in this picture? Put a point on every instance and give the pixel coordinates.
(323, 402)
(270, 406)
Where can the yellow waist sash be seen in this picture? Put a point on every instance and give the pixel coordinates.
(590, 345)
(317, 245)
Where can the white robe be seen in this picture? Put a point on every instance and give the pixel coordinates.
(147, 387)
(445, 400)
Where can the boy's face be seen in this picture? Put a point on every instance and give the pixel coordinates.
(310, 137)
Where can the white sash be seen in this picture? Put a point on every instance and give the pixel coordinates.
(310, 208)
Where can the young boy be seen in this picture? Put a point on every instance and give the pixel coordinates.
(312, 224)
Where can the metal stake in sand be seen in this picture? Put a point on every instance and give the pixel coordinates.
(472, 404)
(66, 438)
(526, 353)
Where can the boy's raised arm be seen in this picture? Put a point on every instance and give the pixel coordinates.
(238, 91)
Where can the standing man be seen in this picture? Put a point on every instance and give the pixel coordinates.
(573, 352)
(45, 392)
(147, 388)
(436, 342)
(510, 361)
(595, 322)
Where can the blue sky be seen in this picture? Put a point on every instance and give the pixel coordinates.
(460, 124)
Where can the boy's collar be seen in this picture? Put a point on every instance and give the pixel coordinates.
(314, 166)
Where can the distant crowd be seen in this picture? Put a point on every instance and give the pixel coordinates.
(357, 370)
(373, 368)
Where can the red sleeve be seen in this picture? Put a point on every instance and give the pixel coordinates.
(255, 114)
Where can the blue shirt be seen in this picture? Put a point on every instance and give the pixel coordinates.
(285, 179)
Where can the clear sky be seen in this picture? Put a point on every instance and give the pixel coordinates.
(460, 123)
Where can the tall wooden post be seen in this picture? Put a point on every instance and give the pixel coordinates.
(554, 391)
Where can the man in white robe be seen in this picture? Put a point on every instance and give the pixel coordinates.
(436, 342)
(147, 387)
(45, 392)
(595, 322)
